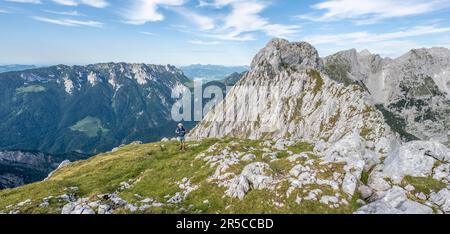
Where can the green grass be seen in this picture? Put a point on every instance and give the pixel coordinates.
(425, 185)
(315, 75)
(155, 171)
(30, 89)
(365, 177)
(90, 126)
(103, 174)
(300, 147)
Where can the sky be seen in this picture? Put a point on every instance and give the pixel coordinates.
(225, 32)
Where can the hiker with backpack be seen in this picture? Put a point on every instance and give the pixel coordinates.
(181, 133)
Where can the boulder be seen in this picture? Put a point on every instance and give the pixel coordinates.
(365, 191)
(77, 207)
(442, 199)
(394, 201)
(253, 176)
(415, 158)
(104, 209)
(377, 180)
(248, 157)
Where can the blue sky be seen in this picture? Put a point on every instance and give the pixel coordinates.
(227, 32)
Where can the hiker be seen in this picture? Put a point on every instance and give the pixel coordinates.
(181, 132)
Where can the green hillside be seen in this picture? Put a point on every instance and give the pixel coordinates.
(147, 179)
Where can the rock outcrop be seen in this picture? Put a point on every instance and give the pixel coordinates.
(346, 105)
(412, 90)
(287, 95)
(394, 201)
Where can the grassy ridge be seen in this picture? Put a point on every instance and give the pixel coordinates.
(154, 170)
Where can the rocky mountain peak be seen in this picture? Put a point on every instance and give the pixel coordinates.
(280, 54)
(293, 98)
(364, 52)
(412, 90)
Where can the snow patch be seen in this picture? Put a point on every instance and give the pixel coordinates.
(68, 85)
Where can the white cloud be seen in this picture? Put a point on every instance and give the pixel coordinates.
(216, 3)
(245, 19)
(361, 37)
(25, 1)
(201, 42)
(240, 23)
(391, 44)
(69, 13)
(143, 11)
(370, 11)
(147, 33)
(67, 2)
(69, 22)
(92, 3)
(3, 11)
(201, 21)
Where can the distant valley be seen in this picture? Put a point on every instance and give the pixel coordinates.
(211, 72)
(15, 67)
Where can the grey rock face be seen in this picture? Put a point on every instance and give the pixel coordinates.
(365, 191)
(416, 159)
(253, 176)
(77, 207)
(394, 201)
(248, 157)
(291, 98)
(442, 199)
(412, 90)
(280, 53)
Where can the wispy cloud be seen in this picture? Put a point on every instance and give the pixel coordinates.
(69, 22)
(364, 36)
(147, 33)
(241, 21)
(92, 3)
(369, 11)
(143, 11)
(201, 42)
(391, 44)
(201, 21)
(3, 11)
(245, 19)
(69, 13)
(25, 1)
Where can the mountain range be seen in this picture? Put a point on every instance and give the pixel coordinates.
(412, 91)
(15, 67)
(86, 109)
(297, 133)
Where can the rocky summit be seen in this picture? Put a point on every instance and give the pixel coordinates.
(297, 134)
(412, 91)
(289, 80)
